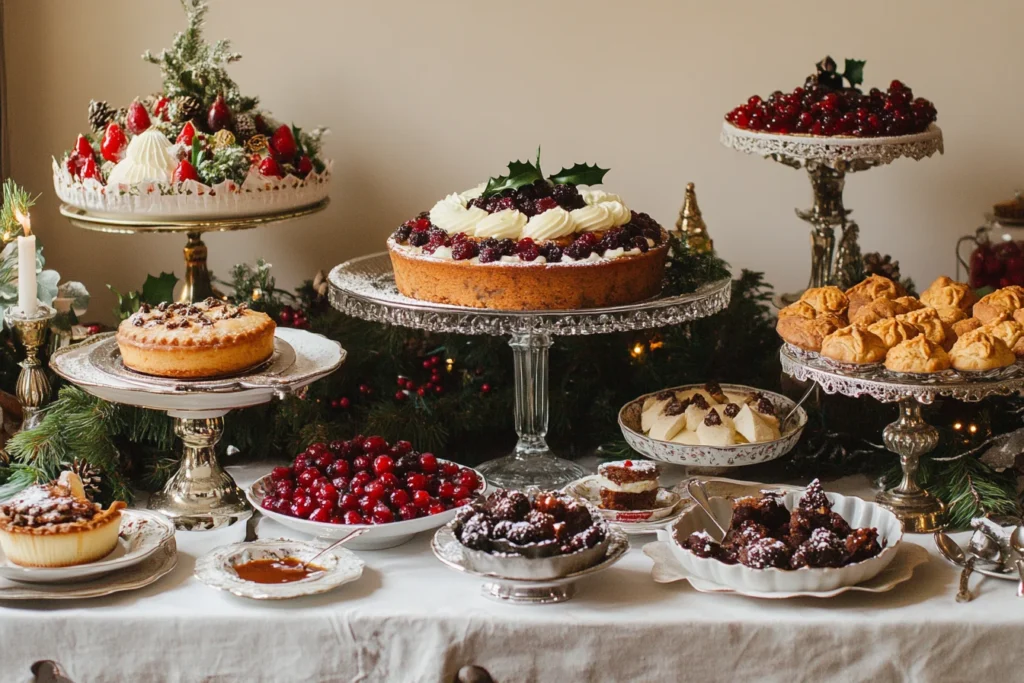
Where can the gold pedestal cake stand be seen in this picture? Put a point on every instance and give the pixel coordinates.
(197, 284)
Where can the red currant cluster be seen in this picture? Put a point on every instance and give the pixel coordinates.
(293, 317)
(818, 109)
(368, 481)
(997, 265)
(435, 385)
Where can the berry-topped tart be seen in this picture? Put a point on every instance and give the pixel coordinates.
(196, 149)
(526, 241)
(830, 104)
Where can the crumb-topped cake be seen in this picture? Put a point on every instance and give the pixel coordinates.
(211, 338)
(529, 242)
(56, 525)
(628, 484)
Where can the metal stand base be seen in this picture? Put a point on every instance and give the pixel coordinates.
(520, 594)
(201, 495)
(910, 437)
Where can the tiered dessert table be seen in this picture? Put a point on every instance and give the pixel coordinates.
(411, 619)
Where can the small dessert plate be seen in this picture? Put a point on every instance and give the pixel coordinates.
(142, 533)
(668, 507)
(217, 569)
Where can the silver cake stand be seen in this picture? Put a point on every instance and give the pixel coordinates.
(200, 495)
(365, 288)
(910, 436)
(827, 161)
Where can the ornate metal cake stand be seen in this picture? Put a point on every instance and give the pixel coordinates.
(197, 285)
(365, 288)
(910, 436)
(827, 161)
(200, 495)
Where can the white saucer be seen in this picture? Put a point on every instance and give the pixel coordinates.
(142, 533)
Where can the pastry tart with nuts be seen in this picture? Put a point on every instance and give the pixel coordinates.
(56, 525)
(211, 338)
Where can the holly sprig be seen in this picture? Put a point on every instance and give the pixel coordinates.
(853, 71)
(522, 173)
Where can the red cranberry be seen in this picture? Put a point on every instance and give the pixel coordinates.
(375, 445)
(421, 498)
(349, 501)
(469, 479)
(446, 490)
(269, 503)
(366, 504)
(301, 463)
(416, 481)
(307, 477)
(337, 518)
(353, 517)
(375, 490)
(301, 507)
(361, 463)
(408, 512)
(341, 483)
(382, 514)
(382, 464)
(402, 447)
(436, 509)
(357, 489)
(428, 462)
(389, 481)
(319, 483)
(463, 502)
(362, 478)
(316, 449)
(321, 514)
(324, 460)
(461, 492)
(281, 474)
(337, 447)
(327, 493)
(399, 498)
(449, 469)
(338, 468)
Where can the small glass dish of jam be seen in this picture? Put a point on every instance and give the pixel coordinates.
(274, 569)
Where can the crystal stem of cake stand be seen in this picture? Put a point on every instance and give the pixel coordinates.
(33, 387)
(910, 437)
(532, 463)
(197, 285)
(200, 495)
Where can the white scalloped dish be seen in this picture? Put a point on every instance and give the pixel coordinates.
(857, 513)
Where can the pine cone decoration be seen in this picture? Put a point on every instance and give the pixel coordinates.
(245, 127)
(92, 478)
(185, 108)
(876, 264)
(100, 114)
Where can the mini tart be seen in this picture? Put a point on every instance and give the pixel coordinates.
(892, 331)
(978, 351)
(947, 293)
(1011, 332)
(927, 320)
(917, 355)
(526, 286)
(1000, 303)
(854, 345)
(964, 326)
(807, 333)
(879, 309)
(189, 341)
(827, 299)
(55, 525)
(870, 289)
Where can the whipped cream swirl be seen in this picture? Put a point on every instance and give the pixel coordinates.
(507, 223)
(593, 217)
(451, 215)
(551, 224)
(148, 158)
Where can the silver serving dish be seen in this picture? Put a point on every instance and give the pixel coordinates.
(499, 586)
(532, 566)
(712, 456)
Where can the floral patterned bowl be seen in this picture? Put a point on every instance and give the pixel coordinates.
(713, 456)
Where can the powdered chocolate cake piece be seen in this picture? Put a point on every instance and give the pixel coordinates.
(628, 484)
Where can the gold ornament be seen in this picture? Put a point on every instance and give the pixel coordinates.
(257, 143)
(222, 138)
(691, 224)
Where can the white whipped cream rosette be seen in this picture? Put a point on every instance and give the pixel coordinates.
(507, 223)
(147, 158)
(451, 215)
(473, 192)
(593, 217)
(599, 197)
(551, 224)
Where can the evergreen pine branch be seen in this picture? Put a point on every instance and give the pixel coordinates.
(15, 200)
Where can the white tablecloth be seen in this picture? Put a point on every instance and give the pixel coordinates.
(409, 618)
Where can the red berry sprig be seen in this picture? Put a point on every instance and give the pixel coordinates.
(293, 317)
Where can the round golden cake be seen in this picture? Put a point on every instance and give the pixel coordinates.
(210, 338)
(528, 286)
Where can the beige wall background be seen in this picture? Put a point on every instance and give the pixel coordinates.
(428, 97)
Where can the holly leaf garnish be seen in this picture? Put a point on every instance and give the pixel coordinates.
(579, 174)
(156, 290)
(853, 71)
(520, 173)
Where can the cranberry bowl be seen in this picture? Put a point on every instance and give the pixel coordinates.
(392, 490)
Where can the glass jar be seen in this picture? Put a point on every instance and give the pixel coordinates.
(997, 257)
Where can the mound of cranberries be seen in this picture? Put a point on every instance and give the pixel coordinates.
(368, 481)
(822, 108)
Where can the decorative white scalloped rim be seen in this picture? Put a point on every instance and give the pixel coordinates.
(192, 200)
(883, 150)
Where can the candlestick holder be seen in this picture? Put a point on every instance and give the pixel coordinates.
(33, 388)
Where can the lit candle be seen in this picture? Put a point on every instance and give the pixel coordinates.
(26, 267)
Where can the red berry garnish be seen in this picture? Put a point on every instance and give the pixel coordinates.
(301, 507)
(160, 109)
(185, 171)
(188, 132)
(402, 447)
(82, 147)
(281, 474)
(219, 116)
(545, 203)
(366, 504)
(353, 517)
(321, 514)
(375, 445)
(344, 403)
(375, 490)
(304, 167)
(428, 462)
(349, 501)
(446, 490)
(469, 479)
(436, 509)
(389, 481)
(270, 168)
(137, 120)
(382, 514)
(407, 512)
(282, 142)
(416, 481)
(421, 498)
(89, 170)
(341, 483)
(114, 142)
(361, 463)
(461, 492)
(307, 477)
(449, 469)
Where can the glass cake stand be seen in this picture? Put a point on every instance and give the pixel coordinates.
(197, 284)
(365, 288)
(827, 161)
(200, 495)
(909, 436)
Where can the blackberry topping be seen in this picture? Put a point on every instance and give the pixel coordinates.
(568, 197)
(731, 410)
(765, 407)
(418, 238)
(664, 395)
(578, 250)
(676, 407)
(640, 242)
(699, 401)
(489, 255)
(505, 203)
(551, 252)
(489, 243)
(464, 249)
(507, 247)
(712, 419)
(402, 233)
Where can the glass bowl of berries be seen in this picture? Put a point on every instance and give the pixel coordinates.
(332, 489)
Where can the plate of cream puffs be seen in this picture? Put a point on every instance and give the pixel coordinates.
(711, 425)
(876, 326)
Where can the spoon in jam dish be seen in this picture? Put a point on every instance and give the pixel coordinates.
(341, 541)
(699, 493)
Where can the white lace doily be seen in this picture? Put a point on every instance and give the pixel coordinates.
(829, 150)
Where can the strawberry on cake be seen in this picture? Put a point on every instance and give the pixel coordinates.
(524, 241)
(197, 149)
